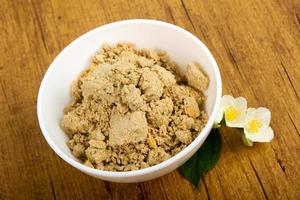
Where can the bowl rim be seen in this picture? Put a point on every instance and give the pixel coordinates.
(96, 172)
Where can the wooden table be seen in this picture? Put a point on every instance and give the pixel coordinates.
(257, 47)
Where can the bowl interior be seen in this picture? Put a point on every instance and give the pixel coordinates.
(54, 92)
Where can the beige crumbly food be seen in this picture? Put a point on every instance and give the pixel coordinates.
(196, 78)
(131, 109)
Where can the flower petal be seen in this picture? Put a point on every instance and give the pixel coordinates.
(264, 115)
(241, 104)
(251, 113)
(219, 116)
(239, 122)
(265, 134)
(226, 101)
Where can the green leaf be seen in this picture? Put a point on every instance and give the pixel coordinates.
(223, 121)
(246, 141)
(204, 159)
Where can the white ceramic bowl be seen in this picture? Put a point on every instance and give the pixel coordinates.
(54, 93)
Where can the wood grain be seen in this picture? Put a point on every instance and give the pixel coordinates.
(257, 47)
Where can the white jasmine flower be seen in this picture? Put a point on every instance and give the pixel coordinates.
(234, 111)
(257, 123)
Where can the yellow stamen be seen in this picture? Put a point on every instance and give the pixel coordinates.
(231, 113)
(253, 125)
